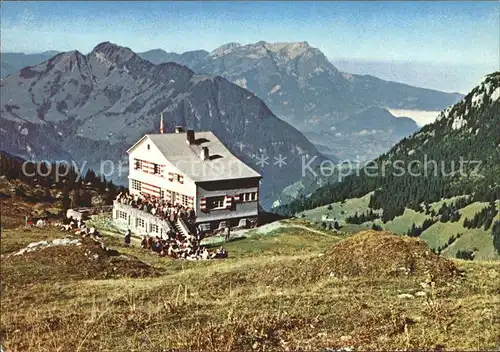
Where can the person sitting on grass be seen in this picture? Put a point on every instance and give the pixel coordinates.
(149, 243)
(221, 253)
(157, 246)
(96, 235)
(144, 242)
(205, 254)
(127, 238)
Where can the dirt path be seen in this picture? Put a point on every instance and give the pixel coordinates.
(134, 241)
(312, 230)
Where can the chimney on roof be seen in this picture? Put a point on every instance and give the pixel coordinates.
(162, 128)
(179, 129)
(204, 153)
(190, 137)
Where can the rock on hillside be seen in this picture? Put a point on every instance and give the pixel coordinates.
(74, 259)
(93, 107)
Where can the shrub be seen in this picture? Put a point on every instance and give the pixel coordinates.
(465, 255)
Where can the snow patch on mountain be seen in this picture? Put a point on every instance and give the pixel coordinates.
(477, 98)
(242, 82)
(102, 59)
(275, 89)
(495, 95)
(458, 123)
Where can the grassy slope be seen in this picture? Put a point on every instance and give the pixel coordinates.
(14, 209)
(474, 238)
(349, 207)
(247, 301)
(402, 223)
(439, 233)
(435, 236)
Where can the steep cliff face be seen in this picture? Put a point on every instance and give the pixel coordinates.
(93, 107)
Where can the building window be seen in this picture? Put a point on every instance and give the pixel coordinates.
(148, 167)
(185, 200)
(122, 215)
(136, 185)
(215, 202)
(149, 147)
(154, 228)
(140, 223)
(156, 169)
(249, 197)
(180, 178)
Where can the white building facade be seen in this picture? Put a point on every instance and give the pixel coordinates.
(195, 170)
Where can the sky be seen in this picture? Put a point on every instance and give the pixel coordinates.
(385, 37)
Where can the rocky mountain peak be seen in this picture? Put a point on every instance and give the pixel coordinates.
(462, 115)
(157, 52)
(67, 61)
(286, 50)
(225, 49)
(287, 46)
(112, 52)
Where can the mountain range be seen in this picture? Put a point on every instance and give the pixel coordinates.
(345, 115)
(93, 107)
(301, 86)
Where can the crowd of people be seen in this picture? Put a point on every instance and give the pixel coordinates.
(69, 224)
(180, 248)
(174, 245)
(158, 207)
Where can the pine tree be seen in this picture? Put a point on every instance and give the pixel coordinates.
(76, 199)
(495, 231)
(487, 222)
(47, 195)
(66, 200)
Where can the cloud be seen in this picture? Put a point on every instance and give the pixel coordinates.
(421, 117)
